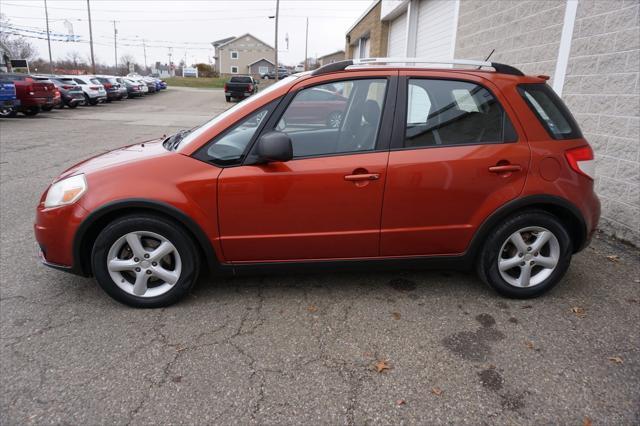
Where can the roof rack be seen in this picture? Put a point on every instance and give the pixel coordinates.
(363, 62)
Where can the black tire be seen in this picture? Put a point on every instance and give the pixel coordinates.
(168, 229)
(47, 108)
(487, 262)
(72, 105)
(228, 98)
(8, 113)
(31, 111)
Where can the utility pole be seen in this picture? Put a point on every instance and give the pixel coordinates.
(170, 67)
(115, 45)
(306, 44)
(144, 48)
(93, 62)
(46, 14)
(276, 42)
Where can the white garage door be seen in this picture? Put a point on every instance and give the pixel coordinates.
(436, 29)
(398, 37)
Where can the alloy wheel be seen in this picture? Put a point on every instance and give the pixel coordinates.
(529, 256)
(144, 264)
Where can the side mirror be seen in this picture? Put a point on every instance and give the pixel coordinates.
(274, 147)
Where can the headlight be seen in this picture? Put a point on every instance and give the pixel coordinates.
(66, 191)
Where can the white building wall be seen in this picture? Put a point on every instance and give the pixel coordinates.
(436, 29)
(397, 45)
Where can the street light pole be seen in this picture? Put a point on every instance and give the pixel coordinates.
(306, 44)
(93, 62)
(276, 41)
(46, 14)
(115, 45)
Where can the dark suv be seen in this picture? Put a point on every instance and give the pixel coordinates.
(457, 168)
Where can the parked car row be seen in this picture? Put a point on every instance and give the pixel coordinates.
(30, 94)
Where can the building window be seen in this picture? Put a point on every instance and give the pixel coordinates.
(234, 54)
(263, 70)
(234, 70)
(363, 47)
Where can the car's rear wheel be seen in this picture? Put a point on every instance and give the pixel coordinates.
(334, 119)
(526, 255)
(145, 261)
(31, 111)
(47, 108)
(72, 105)
(228, 98)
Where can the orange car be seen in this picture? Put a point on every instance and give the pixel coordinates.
(458, 168)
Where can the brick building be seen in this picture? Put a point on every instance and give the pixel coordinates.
(368, 36)
(589, 48)
(331, 57)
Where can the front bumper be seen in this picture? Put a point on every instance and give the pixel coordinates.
(55, 229)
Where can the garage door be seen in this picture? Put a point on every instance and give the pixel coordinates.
(436, 29)
(398, 37)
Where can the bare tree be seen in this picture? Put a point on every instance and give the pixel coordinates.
(75, 58)
(17, 47)
(127, 59)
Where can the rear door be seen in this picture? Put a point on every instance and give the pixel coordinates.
(458, 154)
(326, 202)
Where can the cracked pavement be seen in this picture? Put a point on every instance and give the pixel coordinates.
(292, 349)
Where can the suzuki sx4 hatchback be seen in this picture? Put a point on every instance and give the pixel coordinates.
(370, 163)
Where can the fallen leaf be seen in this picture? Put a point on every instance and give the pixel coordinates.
(396, 315)
(401, 402)
(633, 301)
(382, 365)
(526, 307)
(436, 391)
(586, 421)
(176, 379)
(613, 258)
(530, 344)
(312, 308)
(616, 359)
(579, 311)
(180, 348)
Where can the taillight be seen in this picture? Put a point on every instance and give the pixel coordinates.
(94, 87)
(582, 161)
(250, 88)
(67, 87)
(107, 86)
(225, 87)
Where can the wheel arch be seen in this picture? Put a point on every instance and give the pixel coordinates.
(564, 210)
(98, 219)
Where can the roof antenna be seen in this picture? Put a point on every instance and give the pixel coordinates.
(487, 58)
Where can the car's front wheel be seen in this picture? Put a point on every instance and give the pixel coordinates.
(145, 261)
(526, 255)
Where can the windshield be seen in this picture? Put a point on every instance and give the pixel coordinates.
(240, 80)
(206, 126)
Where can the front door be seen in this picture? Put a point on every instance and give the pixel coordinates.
(326, 202)
(457, 158)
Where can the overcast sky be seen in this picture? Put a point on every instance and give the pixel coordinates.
(187, 26)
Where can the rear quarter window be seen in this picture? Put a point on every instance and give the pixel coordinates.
(552, 113)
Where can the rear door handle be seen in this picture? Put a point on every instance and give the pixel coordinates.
(362, 176)
(507, 168)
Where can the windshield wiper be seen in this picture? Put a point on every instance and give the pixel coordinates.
(172, 142)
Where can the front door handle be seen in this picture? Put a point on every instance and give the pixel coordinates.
(506, 168)
(362, 176)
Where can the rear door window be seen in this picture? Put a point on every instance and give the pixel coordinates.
(452, 112)
(550, 110)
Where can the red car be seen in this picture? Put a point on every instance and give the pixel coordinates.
(34, 95)
(457, 168)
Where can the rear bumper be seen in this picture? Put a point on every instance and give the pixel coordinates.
(238, 95)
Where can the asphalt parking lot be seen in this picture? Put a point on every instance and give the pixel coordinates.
(293, 349)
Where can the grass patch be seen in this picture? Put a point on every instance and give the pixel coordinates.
(207, 83)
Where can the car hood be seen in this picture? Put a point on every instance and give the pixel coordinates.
(143, 151)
